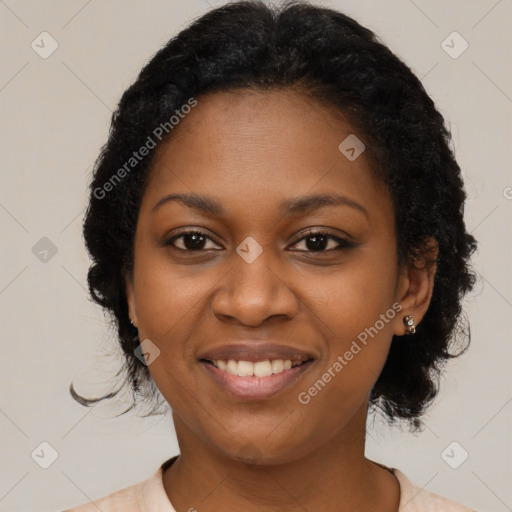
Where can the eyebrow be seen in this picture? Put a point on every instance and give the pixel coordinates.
(291, 206)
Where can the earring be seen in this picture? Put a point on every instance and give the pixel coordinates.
(409, 323)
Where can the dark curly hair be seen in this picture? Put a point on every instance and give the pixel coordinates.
(332, 59)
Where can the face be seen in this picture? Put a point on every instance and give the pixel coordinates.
(268, 276)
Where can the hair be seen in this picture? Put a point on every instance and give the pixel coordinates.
(332, 59)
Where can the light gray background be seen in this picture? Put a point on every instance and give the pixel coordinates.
(55, 116)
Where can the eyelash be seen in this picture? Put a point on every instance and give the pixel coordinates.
(343, 243)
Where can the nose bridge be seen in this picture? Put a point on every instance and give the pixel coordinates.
(254, 289)
(253, 269)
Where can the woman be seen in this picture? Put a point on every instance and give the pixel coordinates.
(276, 225)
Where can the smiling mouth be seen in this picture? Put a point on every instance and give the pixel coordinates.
(255, 368)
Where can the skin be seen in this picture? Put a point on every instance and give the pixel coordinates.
(251, 150)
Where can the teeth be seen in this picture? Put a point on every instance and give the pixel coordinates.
(232, 367)
(277, 366)
(245, 368)
(255, 369)
(262, 369)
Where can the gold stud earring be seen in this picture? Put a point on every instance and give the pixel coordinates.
(409, 324)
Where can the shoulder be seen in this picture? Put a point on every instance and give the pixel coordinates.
(145, 496)
(416, 499)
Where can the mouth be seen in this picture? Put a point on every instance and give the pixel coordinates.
(255, 380)
(255, 368)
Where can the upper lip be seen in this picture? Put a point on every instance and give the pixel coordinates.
(253, 351)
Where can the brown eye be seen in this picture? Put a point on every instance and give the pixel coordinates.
(318, 241)
(189, 241)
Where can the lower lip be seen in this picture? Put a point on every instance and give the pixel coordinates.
(256, 388)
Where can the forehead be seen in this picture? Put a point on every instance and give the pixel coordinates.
(276, 121)
(254, 146)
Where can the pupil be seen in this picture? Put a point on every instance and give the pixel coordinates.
(318, 242)
(197, 240)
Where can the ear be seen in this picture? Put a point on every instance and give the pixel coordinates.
(415, 286)
(130, 298)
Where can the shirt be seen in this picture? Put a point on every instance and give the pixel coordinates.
(150, 496)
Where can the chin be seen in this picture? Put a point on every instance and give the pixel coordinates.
(263, 452)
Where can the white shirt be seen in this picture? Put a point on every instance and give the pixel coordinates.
(149, 496)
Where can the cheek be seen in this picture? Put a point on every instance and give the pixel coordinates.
(352, 297)
(355, 309)
(168, 299)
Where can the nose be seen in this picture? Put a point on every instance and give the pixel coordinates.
(254, 291)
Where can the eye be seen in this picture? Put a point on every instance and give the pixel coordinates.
(315, 241)
(321, 241)
(190, 241)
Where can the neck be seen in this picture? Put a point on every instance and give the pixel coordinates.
(336, 477)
